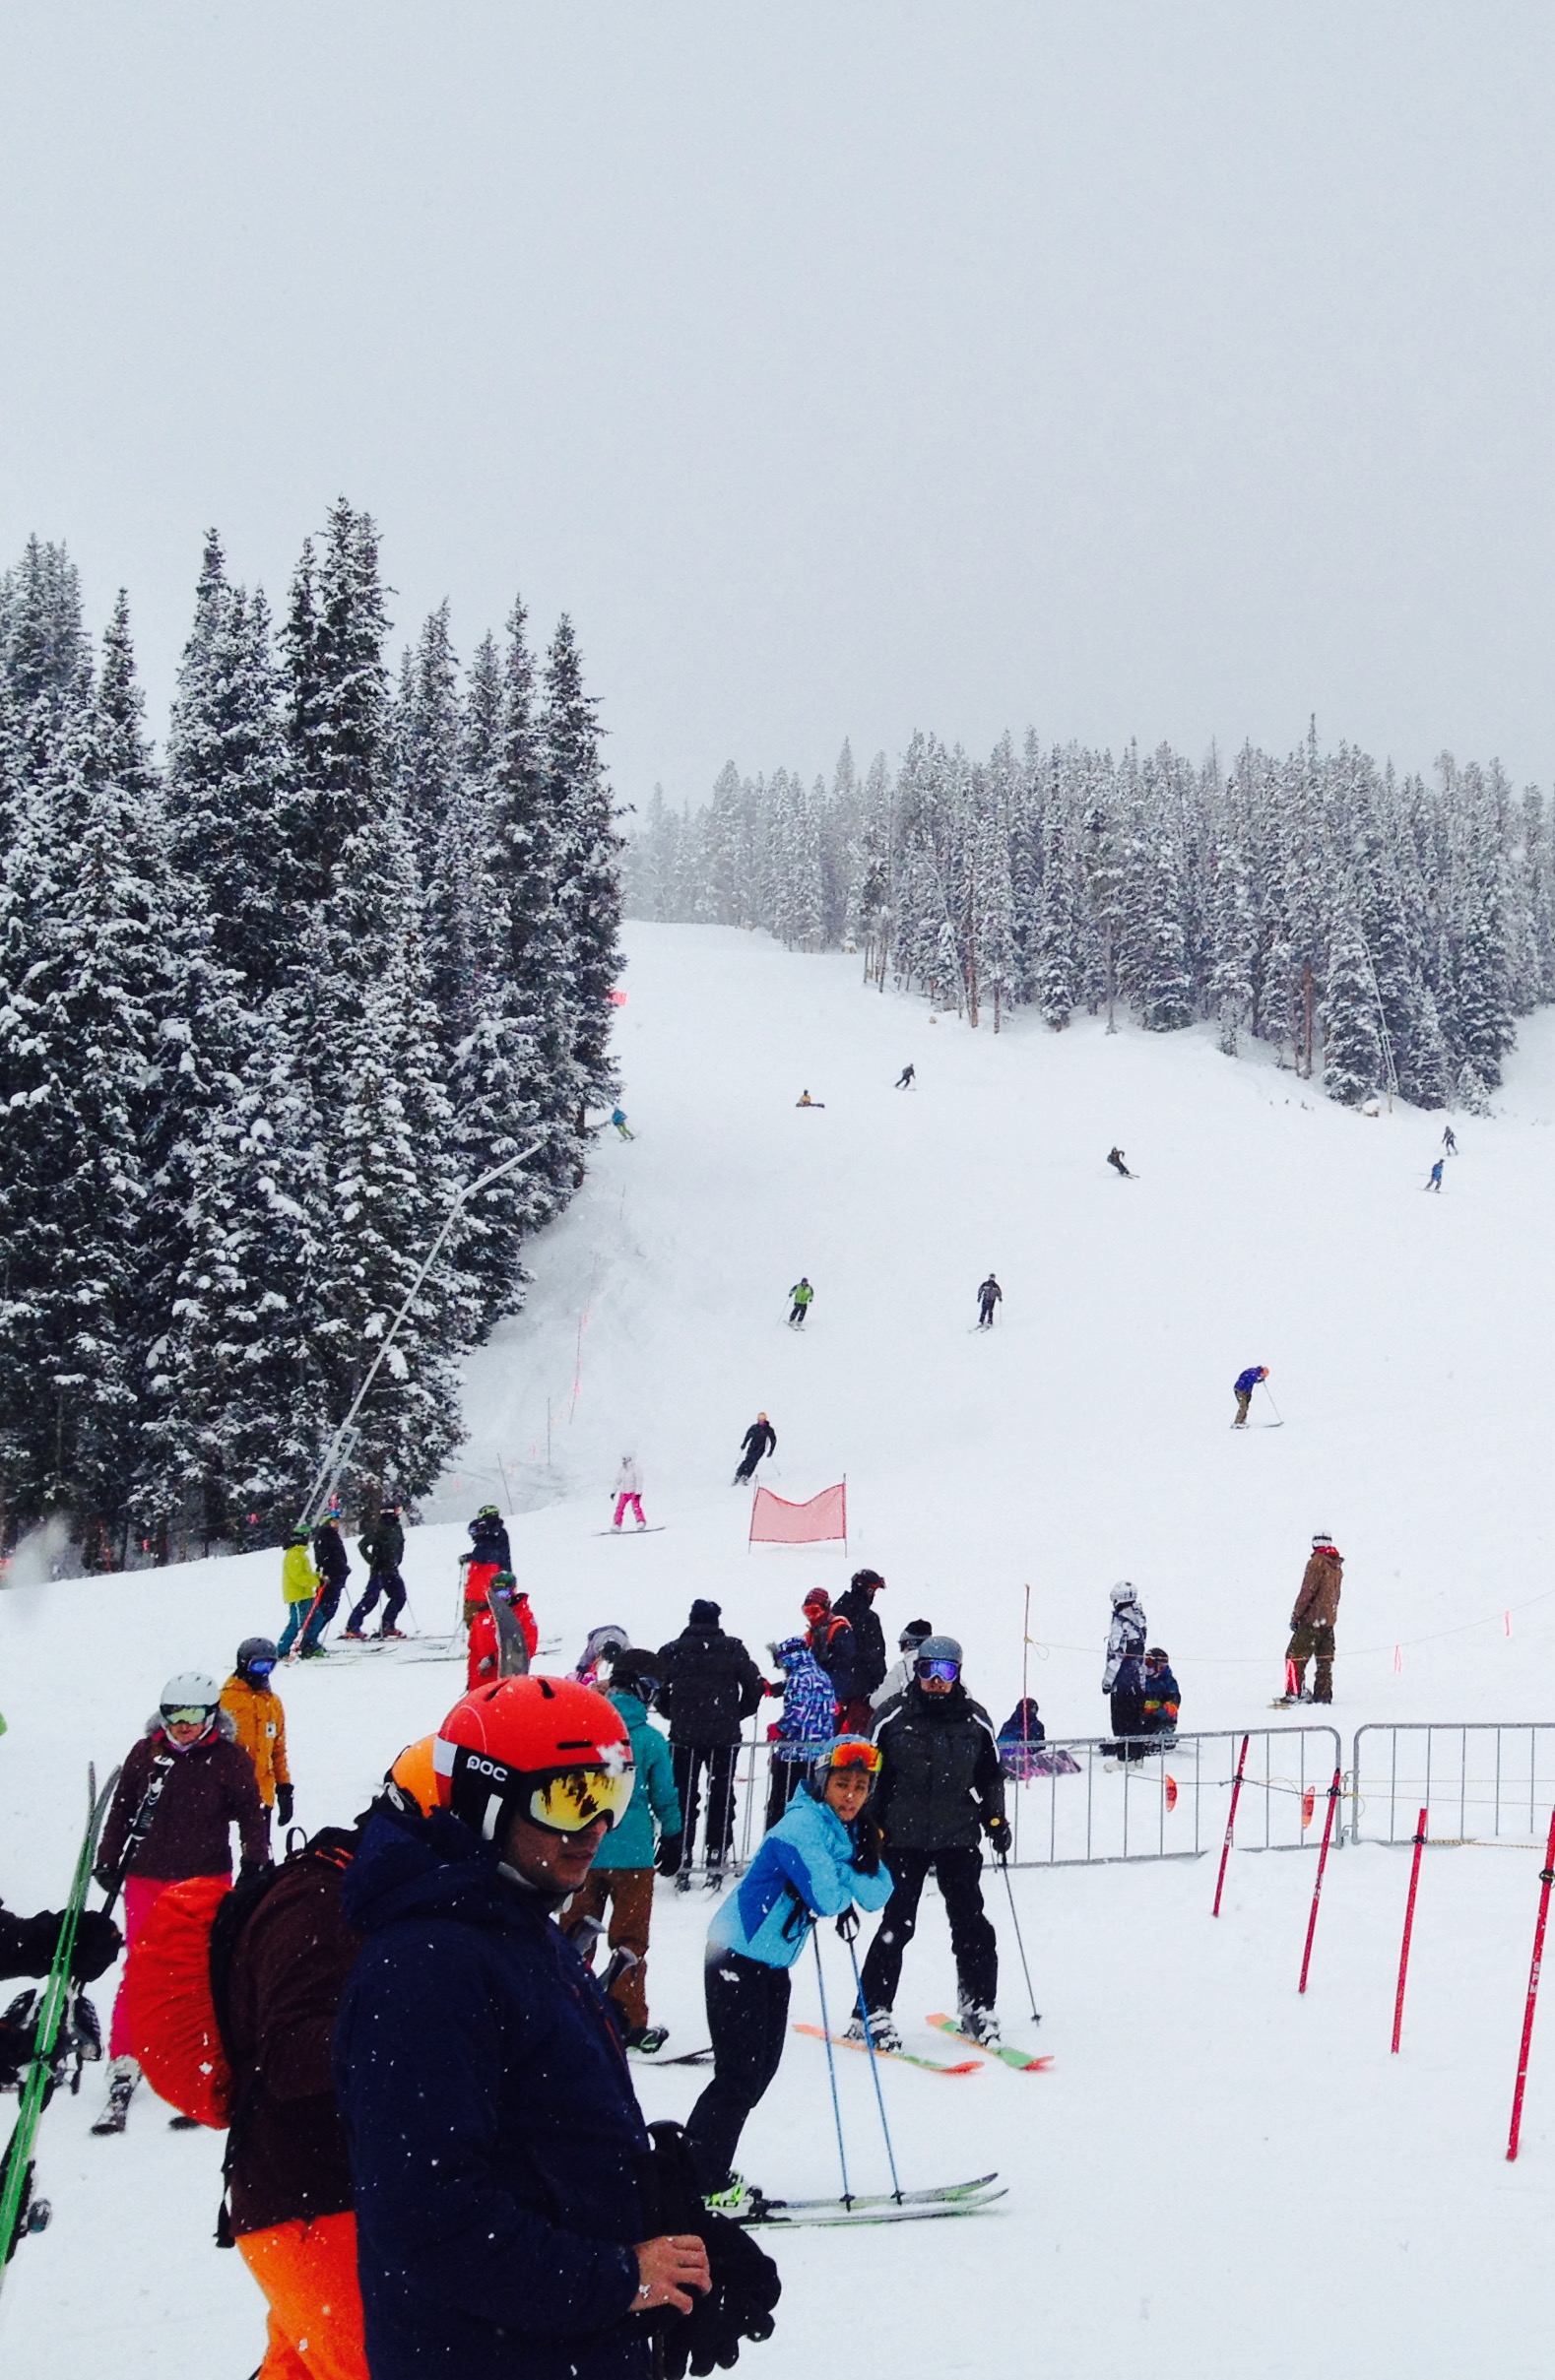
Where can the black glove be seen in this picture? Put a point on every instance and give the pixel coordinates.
(98, 1943)
(867, 1842)
(105, 1876)
(669, 1854)
(745, 2285)
(848, 1926)
(284, 1802)
(999, 1836)
(253, 1867)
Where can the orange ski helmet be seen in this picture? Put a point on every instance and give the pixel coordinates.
(544, 1749)
(412, 1780)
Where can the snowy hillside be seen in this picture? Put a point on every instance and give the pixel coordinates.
(1215, 2176)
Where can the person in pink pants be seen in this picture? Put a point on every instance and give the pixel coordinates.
(628, 1492)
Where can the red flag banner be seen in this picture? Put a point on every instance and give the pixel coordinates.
(775, 1521)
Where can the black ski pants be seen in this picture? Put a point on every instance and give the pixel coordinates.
(786, 1777)
(747, 2020)
(688, 1761)
(1128, 1718)
(973, 1941)
(391, 1587)
(324, 1610)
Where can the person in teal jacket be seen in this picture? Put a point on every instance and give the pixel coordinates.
(821, 1858)
(622, 1882)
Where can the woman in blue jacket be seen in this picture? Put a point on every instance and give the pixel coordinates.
(821, 1858)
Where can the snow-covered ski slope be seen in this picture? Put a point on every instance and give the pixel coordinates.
(1214, 2174)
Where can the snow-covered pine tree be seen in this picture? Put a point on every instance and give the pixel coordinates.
(587, 881)
(442, 807)
(1352, 1056)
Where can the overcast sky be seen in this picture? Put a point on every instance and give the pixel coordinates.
(1171, 369)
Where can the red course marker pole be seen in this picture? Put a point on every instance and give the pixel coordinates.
(1408, 1927)
(1547, 1879)
(1231, 1819)
(1322, 1861)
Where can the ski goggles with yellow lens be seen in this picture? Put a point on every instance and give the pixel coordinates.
(573, 1798)
(187, 1715)
(856, 1754)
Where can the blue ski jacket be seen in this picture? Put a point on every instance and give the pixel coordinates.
(1247, 1381)
(495, 2141)
(803, 1872)
(654, 1797)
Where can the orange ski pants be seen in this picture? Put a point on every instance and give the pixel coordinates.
(308, 2275)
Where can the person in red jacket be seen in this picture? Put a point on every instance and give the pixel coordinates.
(184, 1786)
(486, 1643)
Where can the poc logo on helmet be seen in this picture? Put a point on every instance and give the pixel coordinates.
(496, 1769)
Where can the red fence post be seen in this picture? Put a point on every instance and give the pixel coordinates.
(1547, 1879)
(1322, 1861)
(1231, 1819)
(1408, 1927)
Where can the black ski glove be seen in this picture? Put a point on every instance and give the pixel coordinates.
(1000, 1837)
(848, 1926)
(745, 2285)
(284, 1802)
(867, 1842)
(98, 1943)
(670, 1847)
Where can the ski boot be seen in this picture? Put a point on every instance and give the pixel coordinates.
(979, 2024)
(391, 1635)
(882, 2032)
(352, 1636)
(647, 2039)
(683, 1879)
(736, 2198)
(713, 1881)
(123, 2075)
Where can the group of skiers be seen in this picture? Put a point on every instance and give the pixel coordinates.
(313, 1574)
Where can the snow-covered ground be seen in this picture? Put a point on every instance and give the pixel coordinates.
(1214, 2174)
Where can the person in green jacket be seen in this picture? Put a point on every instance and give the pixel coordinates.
(623, 1881)
(802, 1294)
(299, 1584)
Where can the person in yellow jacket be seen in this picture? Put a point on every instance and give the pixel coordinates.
(254, 1709)
(299, 1585)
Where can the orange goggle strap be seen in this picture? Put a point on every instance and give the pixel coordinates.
(566, 1800)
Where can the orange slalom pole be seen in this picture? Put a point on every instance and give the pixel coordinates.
(1231, 1821)
(1322, 1861)
(1408, 1927)
(1547, 1879)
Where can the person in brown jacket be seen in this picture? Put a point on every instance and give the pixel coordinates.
(253, 1706)
(183, 1787)
(1312, 1624)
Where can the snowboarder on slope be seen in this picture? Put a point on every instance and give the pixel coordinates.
(905, 1079)
(989, 1295)
(1116, 1161)
(821, 1858)
(620, 1881)
(1123, 1679)
(805, 1101)
(1243, 1388)
(628, 1491)
(940, 1787)
(802, 1294)
(1312, 1622)
(760, 1440)
(1435, 1182)
(251, 1703)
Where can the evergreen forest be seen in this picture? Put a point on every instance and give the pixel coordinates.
(267, 1004)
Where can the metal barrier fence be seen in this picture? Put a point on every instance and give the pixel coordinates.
(1482, 1780)
(1081, 1806)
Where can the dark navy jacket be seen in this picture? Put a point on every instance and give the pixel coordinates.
(495, 2140)
(1246, 1382)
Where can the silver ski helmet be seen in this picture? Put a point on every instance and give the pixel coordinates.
(189, 1695)
(1124, 1593)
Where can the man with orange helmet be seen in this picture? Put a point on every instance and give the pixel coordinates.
(498, 2147)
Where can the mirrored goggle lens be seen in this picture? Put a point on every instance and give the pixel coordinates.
(949, 1671)
(260, 1669)
(857, 1755)
(575, 1799)
(194, 1718)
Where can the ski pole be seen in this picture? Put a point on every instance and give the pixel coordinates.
(1263, 1385)
(832, 2070)
(1408, 1928)
(1322, 1861)
(1547, 1879)
(868, 2043)
(1019, 1944)
(1231, 1819)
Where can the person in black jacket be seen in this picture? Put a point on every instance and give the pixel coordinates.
(488, 1540)
(760, 1440)
(868, 1664)
(708, 1686)
(334, 1568)
(941, 1788)
(383, 1550)
(831, 1637)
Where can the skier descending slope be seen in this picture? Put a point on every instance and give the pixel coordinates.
(989, 1295)
(1243, 1388)
(1434, 1182)
(940, 1787)
(1115, 1158)
(821, 1857)
(1123, 1679)
(760, 1440)
(802, 1294)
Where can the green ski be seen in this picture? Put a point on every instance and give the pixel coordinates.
(1021, 2059)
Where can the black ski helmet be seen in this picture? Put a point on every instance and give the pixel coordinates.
(252, 1650)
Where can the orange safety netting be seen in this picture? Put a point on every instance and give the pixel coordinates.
(774, 1521)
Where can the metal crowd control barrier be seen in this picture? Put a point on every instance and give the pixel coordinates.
(1484, 1781)
(1080, 1806)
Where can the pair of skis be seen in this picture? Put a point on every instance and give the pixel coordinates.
(875, 2206)
(1021, 2060)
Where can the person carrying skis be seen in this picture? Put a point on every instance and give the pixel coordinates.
(1435, 1181)
(620, 1881)
(802, 1296)
(183, 1788)
(627, 1492)
(1245, 1383)
(760, 1440)
(867, 1666)
(1161, 1699)
(500, 2162)
(300, 1587)
(253, 1706)
(820, 1861)
(941, 1788)
(989, 1295)
(1115, 1159)
(383, 1550)
(899, 1676)
(905, 1079)
(809, 1721)
(1312, 1624)
(708, 1686)
(1450, 1141)
(486, 1663)
(1123, 1679)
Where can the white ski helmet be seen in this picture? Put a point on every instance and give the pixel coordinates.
(190, 1690)
(1123, 1592)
